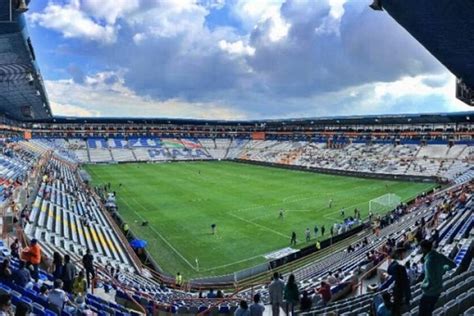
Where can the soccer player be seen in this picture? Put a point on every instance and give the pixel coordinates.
(330, 203)
(213, 229)
(342, 212)
(293, 239)
(322, 230)
(315, 231)
(280, 216)
(308, 234)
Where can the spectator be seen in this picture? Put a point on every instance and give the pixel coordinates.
(434, 238)
(22, 309)
(291, 294)
(88, 262)
(15, 248)
(454, 252)
(331, 279)
(325, 292)
(275, 291)
(5, 272)
(79, 287)
(81, 306)
(32, 255)
(58, 299)
(43, 292)
(256, 309)
(5, 304)
(22, 277)
(211, 294)
(401, 287)
(435, 265)
(220, 294)
(305, 302)
(385, 308)
(243, 309)
(57, 265)
(69, 272)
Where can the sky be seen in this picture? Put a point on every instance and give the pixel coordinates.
(236, 59)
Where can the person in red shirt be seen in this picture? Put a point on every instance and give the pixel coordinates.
(325, 292)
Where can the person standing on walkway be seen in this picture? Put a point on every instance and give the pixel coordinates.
(291, 295)
(435, 265)
(275, 290)
(88, 262)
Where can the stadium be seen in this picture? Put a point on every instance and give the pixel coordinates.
(136, 215)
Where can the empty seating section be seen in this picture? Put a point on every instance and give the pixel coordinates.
(404, 159)
(64, 216)
(15, 164)
(13, 168)
(216, 148)
(122, 154)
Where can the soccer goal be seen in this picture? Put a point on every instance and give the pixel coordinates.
(384, 203)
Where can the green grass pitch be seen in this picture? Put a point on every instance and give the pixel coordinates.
(181, 200)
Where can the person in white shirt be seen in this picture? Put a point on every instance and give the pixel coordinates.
(256, 309)
(275, 290)
(331, 280)
(58, 298)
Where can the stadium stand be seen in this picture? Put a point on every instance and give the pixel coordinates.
(45, 197)
(441, 161)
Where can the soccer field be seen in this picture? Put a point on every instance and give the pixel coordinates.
(181, 201)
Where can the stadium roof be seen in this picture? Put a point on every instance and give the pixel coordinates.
(22, 93)
(445, 29)
(440, 118)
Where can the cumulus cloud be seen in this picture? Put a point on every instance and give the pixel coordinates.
(72, 22)
(268, 58)
(109, 10)
(237, 48)
(105, 94)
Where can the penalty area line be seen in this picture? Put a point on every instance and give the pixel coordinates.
(258, 225)
(230, 264)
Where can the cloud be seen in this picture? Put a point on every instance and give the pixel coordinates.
(99, 95)
(109, 10)
(237, 48)
(268, 58)
(72, 22)
(72, 110)
(407, 95)
(76, 73)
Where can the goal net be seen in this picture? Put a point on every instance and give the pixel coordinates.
(384, 203)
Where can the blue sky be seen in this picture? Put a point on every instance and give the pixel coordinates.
(238, 59)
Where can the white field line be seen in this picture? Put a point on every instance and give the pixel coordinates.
(181, 256)
(157, 233)
(153, 229)
(231, 264)
(258, 225)
(231, 213)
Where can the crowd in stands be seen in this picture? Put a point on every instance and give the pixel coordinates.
(412, 247)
